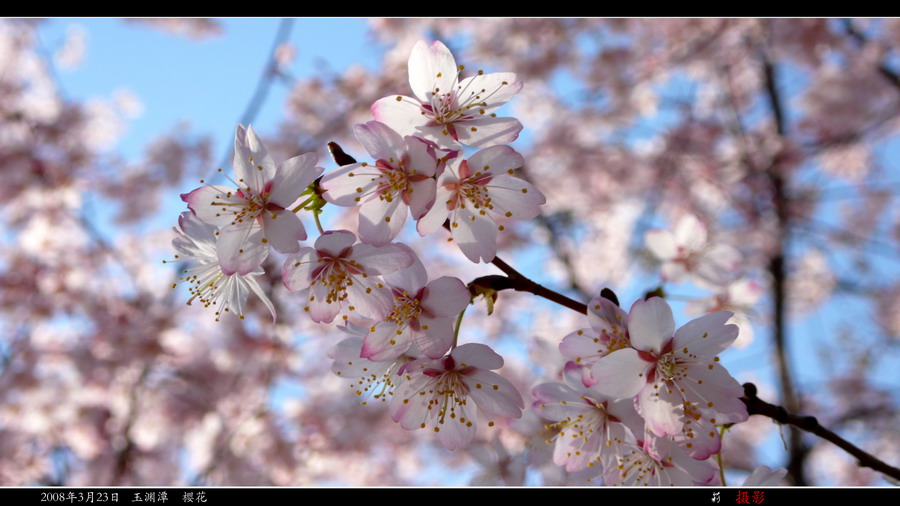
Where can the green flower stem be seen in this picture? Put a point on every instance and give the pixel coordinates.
(719, 457)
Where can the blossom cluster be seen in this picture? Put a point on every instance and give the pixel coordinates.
(641, 399)
(404, 343)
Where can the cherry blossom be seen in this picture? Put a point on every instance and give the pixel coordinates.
(671, 467)
(608, 333)
(592, 427)
(739, 297)
(402, 178)
(667, 371)
(261, 202)
(436, 394)
(764, 476)
(337, 275)
(213, 284)
(371, 379)
(472, 192)
(421, 314)
(449, 111)
(688, 252)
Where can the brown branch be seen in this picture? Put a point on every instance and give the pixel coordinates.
(777, 269)
(861, 41)
(756, 406)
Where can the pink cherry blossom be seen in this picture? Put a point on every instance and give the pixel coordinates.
(670, 467)
(337, 275)
(688, 252)
(261, 202)
(740, 297)
(436, 394)
(475, 193)
(665, 371)
(371, 379)
(211, 283)
(591, 425)
(449, 111)
(608, 333)
(764, 476)
(422, 314)
(402, 178)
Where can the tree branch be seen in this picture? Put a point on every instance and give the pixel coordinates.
(777, 268)
(756, 406)
(861, 40)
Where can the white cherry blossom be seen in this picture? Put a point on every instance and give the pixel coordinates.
(260, 203)
(670, 466)
(740, 297)
(211, 283)
(422, 313)
(592, 427)
(338, 274)
(401, 179)
(687, 252)
(370, 379)
(475, 193)
(437, 394)
(449, 111)
(667, 372)
(608, 333)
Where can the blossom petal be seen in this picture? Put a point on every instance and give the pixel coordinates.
(604, 315)
(422, 156)
(320, 309)
(296, 273)
(496, 395)
(661, 243)
(421, 197)
(380, 140)
(435, 337)
(499, 88)
(650, 324)
(408, 408)
(478, 355)
(445, 296)
(348, 185)
(550, 398)
(486, 132)
(713, 390)
(583, 346)
(380, 220)
(213, 205)
(381, 259)
(690, 232)
(437, 215)
(254, 286)
(431, 68)
(386, 341)
(495, 160)
(621, 374)
(333, 242)
(514, 197)
(253, 167)
(404, 116)
(283, 230)
(241, 249)
(661, 406)
(707, 336)
(292, 178)
(475, 235)
(347, 362)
